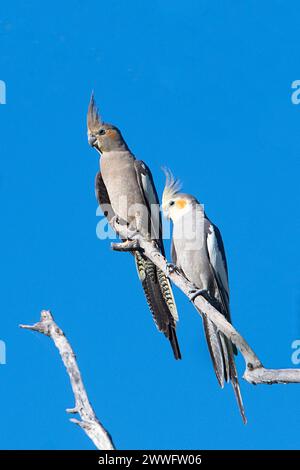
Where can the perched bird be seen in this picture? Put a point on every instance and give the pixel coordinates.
(126, 191)
(198, 252)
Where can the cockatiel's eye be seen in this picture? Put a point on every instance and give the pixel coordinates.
(171, 203)
(101, 132)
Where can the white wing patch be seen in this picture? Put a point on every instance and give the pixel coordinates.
(216, 258)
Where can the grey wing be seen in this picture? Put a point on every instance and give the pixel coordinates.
(103, 197)
(147, 187)
(173, 252)
(217, 257)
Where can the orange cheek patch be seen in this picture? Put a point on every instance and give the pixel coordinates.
(111, 133)
(180, 204)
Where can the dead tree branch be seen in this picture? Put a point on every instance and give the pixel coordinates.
(89, 421)
(255, 372)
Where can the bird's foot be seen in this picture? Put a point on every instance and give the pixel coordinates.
(193, 293)
(128, 245)
(170, 268)
(119, 224)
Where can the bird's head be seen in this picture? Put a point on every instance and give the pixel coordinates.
(174, 203)
(103, 137)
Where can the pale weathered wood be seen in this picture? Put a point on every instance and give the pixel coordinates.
(89, 421)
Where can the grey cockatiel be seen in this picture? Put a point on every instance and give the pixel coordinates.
(198, 251)
(125, 187)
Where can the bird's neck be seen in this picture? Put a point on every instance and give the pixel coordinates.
(117, 154)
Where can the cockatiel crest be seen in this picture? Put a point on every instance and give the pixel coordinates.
(172, 186)
(102, 136)
(171, 189)
(174, 203)
(94, 120)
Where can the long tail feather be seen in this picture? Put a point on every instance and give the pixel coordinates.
(235, 383)
(174, 342)
(222, 355)
(159, 300)
(215, 349)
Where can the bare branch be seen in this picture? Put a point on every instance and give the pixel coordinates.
(89, 421)
(255, 372)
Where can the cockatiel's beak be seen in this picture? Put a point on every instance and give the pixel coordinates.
(93, 121)
(92, 140)
(165, 211)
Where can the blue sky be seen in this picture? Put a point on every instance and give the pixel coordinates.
(203, 87)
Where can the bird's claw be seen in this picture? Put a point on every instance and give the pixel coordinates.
(170, 268)
(195, 293)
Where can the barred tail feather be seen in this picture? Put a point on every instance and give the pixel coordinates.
(160, 300)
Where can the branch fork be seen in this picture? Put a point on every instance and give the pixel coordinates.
(89, 421)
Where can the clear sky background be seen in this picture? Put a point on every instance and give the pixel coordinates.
(203, 87)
